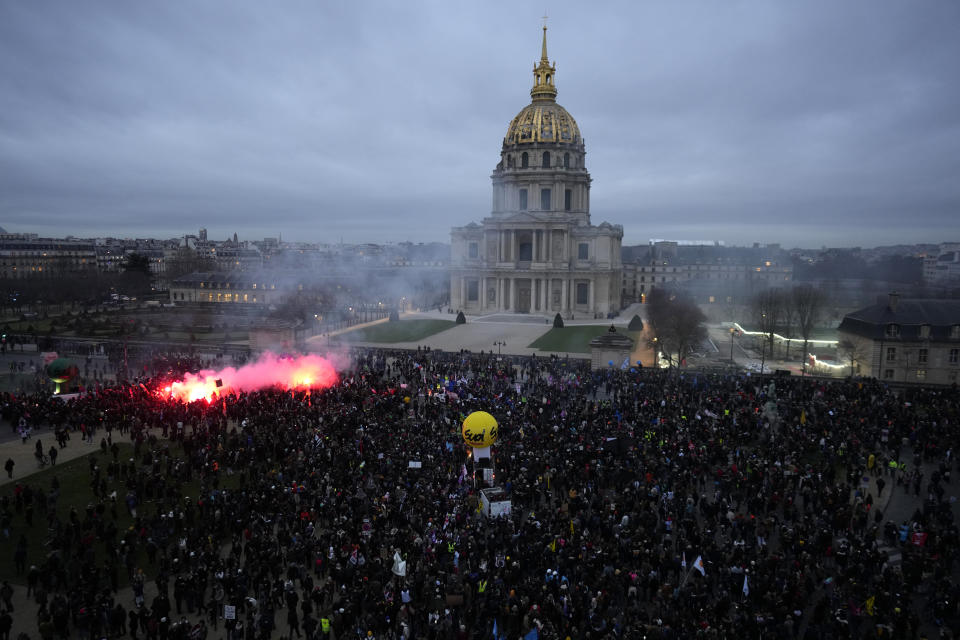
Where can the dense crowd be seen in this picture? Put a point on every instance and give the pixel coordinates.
(645, 504)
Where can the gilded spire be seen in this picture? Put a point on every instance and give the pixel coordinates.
(543, 88)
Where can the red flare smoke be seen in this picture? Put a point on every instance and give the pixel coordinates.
(270, 370)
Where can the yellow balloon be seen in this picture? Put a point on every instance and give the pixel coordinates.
(480, 429)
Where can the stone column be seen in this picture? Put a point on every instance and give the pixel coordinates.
(499, 294)
(591, 286)
(533, 257)
(503, 252)
(563, 294)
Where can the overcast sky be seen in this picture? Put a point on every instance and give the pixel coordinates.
(806, 123)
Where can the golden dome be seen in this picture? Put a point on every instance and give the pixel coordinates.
(543, 120)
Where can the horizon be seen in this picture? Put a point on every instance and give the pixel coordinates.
(805, 126)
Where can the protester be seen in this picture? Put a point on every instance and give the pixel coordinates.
(644, 504)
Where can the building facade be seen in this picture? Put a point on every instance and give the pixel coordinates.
(537, 252)
(24, 255)
(942, 268)
(915, 341)
(710, 274)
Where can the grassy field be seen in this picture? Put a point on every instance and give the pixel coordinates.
(575, 339)
(401, 331)
(75, 492)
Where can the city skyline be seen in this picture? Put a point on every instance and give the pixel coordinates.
(808, 125)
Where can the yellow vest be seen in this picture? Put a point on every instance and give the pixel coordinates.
(325, 625)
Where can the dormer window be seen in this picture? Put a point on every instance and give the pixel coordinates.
(924, 331)
(893, 331)
(955, 332)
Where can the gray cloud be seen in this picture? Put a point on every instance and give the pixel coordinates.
(801, 123)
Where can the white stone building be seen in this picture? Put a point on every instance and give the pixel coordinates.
(914, 341)
(537, 252)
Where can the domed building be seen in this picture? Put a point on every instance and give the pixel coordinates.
(537, 252)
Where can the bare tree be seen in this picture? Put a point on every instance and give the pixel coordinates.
(807, 304)
(852, 351)
(677, 322)
(768, 310)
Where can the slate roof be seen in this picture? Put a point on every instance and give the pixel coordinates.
(910, 316)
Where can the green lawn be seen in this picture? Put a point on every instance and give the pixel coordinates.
(76, 492)
(575, 339)
(400, 331)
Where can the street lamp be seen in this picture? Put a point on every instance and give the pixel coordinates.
(498, 344)
(732, 331)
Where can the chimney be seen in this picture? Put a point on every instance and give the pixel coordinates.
(894, 301)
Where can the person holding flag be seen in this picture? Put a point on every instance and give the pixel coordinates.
(698, 565)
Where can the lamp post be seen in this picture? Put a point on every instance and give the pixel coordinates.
(732, 331)
(498, 344)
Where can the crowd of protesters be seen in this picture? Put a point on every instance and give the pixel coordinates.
(644, 504)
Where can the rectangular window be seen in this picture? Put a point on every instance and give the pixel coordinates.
(921, 374)
(922, 356)
(567, 199)
(891, 354)
(954, 356)
(473, 251)
(583, 251)
(545, 199)
(473, 290)
(523, 199)
(888, 374)
(583, 293)
(925, 331)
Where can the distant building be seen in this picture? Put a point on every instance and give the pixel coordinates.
(941, 268)
(537, 252)
(711, 273)
(904, 340)
(24, 255)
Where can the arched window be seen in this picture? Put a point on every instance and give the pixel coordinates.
(509, 162)
(548, 78)
(524, 160)
(546, 160)
(566, 161)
